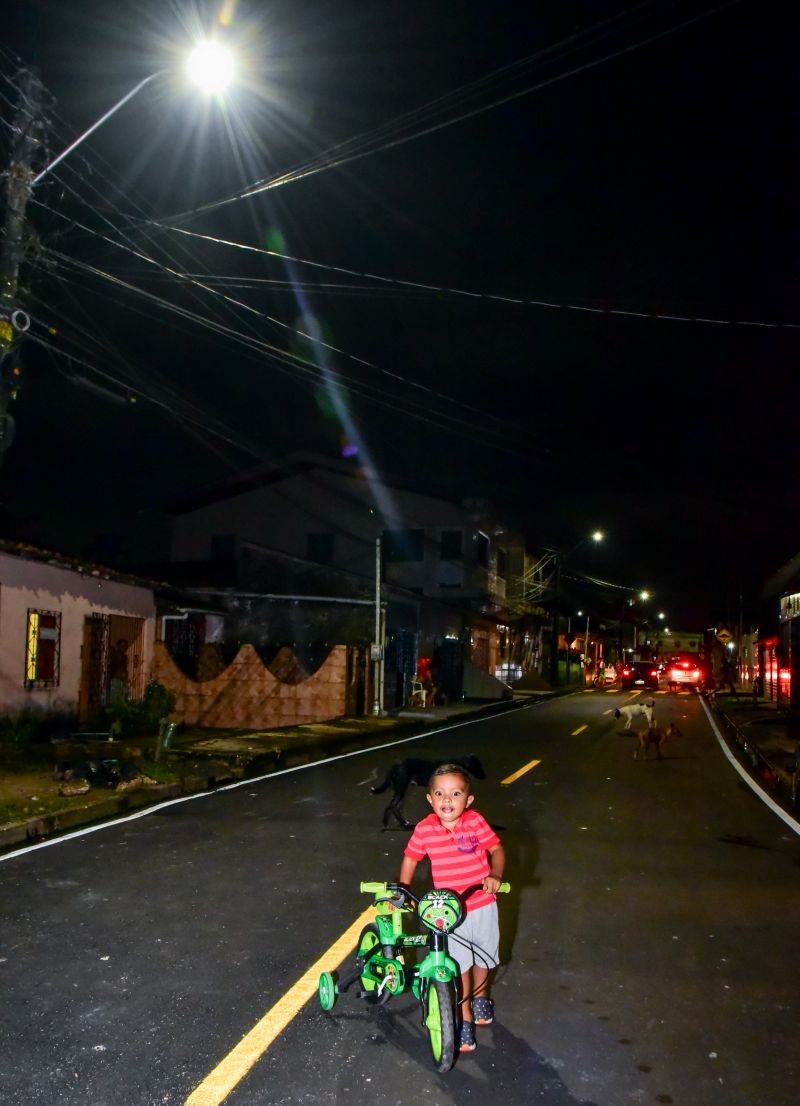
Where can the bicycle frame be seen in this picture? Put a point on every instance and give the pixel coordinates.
(383, 972)
(384, 964)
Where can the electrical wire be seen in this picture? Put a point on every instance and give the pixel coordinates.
(396, 377)
(294, 366)
(336, 162)
(445, 290)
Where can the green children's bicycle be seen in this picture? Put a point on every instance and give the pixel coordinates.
(383, 970)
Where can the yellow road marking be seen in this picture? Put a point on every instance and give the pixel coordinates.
(219, 1083)
(521, 772)
(580, 729)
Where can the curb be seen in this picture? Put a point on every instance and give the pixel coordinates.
(33, 830)
(773, 775)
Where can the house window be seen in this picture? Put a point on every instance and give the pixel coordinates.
(450, 545)
(404, 545)
(320, 548)
(482, 549)
(43, 650)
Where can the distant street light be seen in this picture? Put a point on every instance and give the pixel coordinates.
(558, 559)
(644, 596)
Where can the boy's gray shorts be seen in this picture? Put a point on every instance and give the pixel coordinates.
(477, 939)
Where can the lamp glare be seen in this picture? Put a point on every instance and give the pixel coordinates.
(210, 66)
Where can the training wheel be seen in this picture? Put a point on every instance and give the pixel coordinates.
(327, 991)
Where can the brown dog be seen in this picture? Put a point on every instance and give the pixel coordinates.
(655, 736)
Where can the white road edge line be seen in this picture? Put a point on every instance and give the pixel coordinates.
(791, 822)
(83, 832)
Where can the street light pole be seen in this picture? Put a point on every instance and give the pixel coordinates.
(82, 137)
(210, 65)
(377, 650)
(554, 635)
(597, 536)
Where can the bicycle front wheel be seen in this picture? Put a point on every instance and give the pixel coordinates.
(440, 1024)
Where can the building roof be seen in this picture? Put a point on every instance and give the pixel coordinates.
(301, 463)
(75, 564)
(785, 580)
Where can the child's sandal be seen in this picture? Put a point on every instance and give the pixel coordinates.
(467, 1041)
(483, 1011)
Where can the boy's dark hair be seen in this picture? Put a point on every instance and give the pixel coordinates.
(451, 770)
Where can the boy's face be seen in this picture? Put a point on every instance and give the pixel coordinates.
(449, 796)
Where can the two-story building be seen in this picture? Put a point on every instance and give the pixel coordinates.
(308, 529)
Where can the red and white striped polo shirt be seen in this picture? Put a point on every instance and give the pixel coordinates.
(458, 856)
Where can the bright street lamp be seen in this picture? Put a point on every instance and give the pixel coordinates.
(211, 67)
(644, 595)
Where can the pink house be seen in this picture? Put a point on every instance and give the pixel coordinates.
(70, 633)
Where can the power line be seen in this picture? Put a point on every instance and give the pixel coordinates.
(294, 366)
(517, 301)
(346, 158)
(316, 340)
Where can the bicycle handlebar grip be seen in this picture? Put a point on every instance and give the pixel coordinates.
(374, 888)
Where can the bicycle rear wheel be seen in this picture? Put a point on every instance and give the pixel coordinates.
(368, 941)
(440, 1024)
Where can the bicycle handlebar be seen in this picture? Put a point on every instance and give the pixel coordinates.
(397, 888)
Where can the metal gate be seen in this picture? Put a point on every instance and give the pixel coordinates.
(111, 661)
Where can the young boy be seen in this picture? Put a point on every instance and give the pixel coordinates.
(463, 850)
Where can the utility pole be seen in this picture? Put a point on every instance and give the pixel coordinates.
(14, 322)
(378, 645)
(556, 620)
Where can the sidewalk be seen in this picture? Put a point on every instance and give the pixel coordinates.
(766, 741)
(202, 760)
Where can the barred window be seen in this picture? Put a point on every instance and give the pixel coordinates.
(43, 651)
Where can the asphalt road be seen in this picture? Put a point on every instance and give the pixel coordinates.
(650, 939)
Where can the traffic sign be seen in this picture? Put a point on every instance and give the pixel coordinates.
(725, 636)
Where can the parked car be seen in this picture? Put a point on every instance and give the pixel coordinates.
(639, 674)
(685, 672)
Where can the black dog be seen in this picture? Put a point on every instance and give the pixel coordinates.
(414, 770)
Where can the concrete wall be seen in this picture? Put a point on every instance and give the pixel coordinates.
(247, 694)
(29, 584)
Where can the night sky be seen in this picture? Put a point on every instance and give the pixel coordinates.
(644, 165)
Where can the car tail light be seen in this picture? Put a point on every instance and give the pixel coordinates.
(654, 672)
(626, 671)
